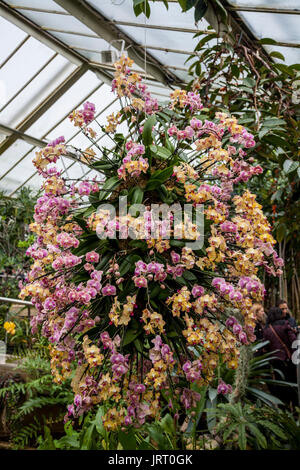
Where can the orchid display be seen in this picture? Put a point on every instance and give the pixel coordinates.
(140, 309)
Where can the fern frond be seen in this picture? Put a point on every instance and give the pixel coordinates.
(26, 434)
(33, 404)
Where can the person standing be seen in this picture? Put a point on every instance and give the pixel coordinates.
(280, 334)
(282, 304)
(260, 320)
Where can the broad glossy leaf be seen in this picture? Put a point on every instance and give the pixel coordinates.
(147, 131)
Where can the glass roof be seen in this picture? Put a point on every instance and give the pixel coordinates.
(273, 23)
(59, 57)
(286, 4)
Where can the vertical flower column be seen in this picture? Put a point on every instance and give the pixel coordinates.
(139, 316)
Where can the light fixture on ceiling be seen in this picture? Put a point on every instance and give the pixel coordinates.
(111, 55)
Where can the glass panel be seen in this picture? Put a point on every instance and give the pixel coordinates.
(171, 58)
(15, 35)
(13, 154)
(159, 14)
(160, 38)
(28, 59)
(49, 20)
(64, 104)
(45, 4)
(18, 175)
(291, 55)
(3, 93)
(82, 41)
(41, 87)
(7, 185)
(35, 182)
(282, 28)
(286, 4)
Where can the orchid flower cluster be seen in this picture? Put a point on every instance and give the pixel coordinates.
(142, 324)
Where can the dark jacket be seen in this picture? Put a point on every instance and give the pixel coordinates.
(259, 331)
(291, 320)
(285, 333)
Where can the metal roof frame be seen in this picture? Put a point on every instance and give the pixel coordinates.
(52, 42)
(53, 127)
(71, 138)
(45, 105)
(282, 11)
(102, 26)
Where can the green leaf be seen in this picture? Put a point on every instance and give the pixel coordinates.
(67, 442)
(277, 54)
(153, 184)
(103, 165)
(284, 68)
(235, 71)
(127, 439)
(250, 82)
(130, 336)
(147, 131)
(212, 393)
(141, 244)
(108, 186)
(229, 429)
(141, 6)
(128, 263)
(99, 423)
(200, 10)
(280, 232)
(167, 424)
(189, 276)
(206, 39)
(87, 441)
(267, 41)
(273, 122)
(161, 152)
(177, 243)
(183, 5)
(137, 195)
(201, 402)
(258, 435)
(265, 397)
(210, 413)
(159, 177)
(274, 428)
(242, 439)
(190, 4)
(289, 166)
(263, 132)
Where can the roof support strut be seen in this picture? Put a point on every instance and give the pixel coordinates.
(44, 106)
(109, 32)
(34, 30)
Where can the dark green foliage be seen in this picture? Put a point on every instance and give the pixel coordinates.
(28, 404)
(252, 427)
(15, 217)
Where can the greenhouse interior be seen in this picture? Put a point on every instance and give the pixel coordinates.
(149, 214)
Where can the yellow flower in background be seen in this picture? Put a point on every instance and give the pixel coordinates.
(10, 327)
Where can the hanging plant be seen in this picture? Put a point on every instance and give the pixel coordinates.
(138, 305)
